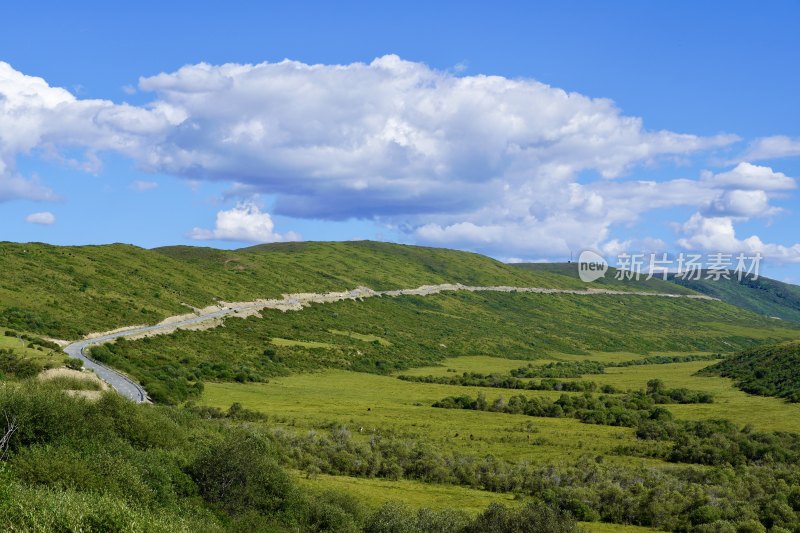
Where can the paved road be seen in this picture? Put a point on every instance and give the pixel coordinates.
(295, 302)
(121, 383)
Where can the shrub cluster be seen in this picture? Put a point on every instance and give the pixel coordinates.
(750, 495)
(13, 364)
(772, 370)
(576, 369)
(474, 379)
(111, 465)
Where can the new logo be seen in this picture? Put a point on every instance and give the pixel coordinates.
(591, 266)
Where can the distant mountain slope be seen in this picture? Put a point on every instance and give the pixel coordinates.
(772, 370)
(609, 281)
(69, 291)
(764, 296)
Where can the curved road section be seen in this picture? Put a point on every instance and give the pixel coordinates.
(118, 381)
(295, 302)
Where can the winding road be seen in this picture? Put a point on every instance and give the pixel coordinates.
(295, 302)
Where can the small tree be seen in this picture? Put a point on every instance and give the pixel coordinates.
(655, 386)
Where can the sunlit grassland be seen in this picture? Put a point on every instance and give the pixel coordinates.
(375, 492)
(361, 337)
(367, 403)
(68, 291)
(764, 413)
(486, 364)
(384, 403)
(26, 349)
(523, 327)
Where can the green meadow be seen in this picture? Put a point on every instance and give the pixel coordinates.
(369, 404)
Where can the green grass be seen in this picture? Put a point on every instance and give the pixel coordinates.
(304, 344)
(766, 414)
(609, 281)
(313, 400)
(764, 296)
(69, 291)
(420, 331)
(384, 403)
(375, 492)
(361, 337)
(31, 351)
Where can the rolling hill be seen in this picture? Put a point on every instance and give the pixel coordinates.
(764, 296)
(67, 292)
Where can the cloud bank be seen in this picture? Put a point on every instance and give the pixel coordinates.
(481, 162)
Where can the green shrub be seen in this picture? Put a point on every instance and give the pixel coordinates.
(73, 363)
(240, 474)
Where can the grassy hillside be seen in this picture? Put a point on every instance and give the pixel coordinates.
(772, 370)
(764, 296)
(380, 335)
(69, 291)
(570, 271)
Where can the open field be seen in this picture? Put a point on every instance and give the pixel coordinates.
(763, 413)
(26, 349)
(374, 404)
(375, 492)
(386, 404)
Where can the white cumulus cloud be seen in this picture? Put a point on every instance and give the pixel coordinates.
(483, 162)
(748, 176)
(243, 223)
(718, 234)
(773, 147)
(45, 218)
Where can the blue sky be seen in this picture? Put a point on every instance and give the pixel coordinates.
(419, 146)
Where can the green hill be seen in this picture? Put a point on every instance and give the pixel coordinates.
(303, 412)
(609, 281)
(764, 296)
(69, 291)
(772, 370)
